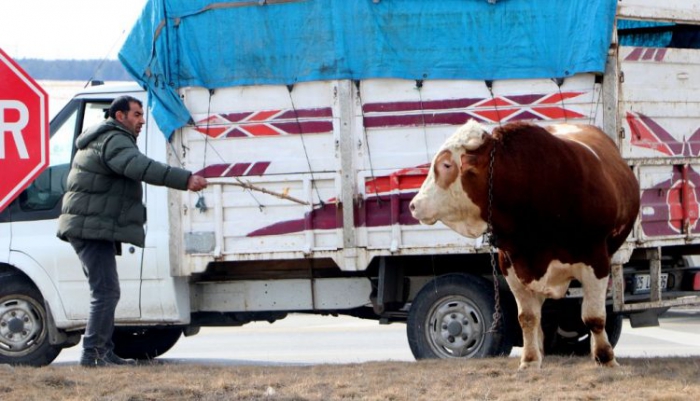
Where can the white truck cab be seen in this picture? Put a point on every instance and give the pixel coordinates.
(50, 296)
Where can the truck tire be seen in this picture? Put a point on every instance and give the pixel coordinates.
(450, 318)
(567, 335)
(24, 338)
(144, 343)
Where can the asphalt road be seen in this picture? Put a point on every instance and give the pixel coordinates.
(309, 339)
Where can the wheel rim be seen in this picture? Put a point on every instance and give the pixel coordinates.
(455, 328)
(21, 326)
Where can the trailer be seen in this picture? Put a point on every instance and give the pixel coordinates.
(315, 122)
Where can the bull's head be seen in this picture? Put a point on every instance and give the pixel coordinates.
(443, 195)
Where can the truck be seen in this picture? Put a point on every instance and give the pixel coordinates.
(315, 123)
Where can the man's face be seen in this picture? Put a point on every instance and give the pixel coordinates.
(133, 119)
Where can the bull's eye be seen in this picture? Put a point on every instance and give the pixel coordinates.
(446, 165)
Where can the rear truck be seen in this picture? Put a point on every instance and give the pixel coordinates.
(315, 122)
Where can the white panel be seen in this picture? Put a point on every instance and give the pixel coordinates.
(251, 124)
(254, 139)
(261, 97)
(341, 293)
(281, 295)
(245, 213)
(660, 102)
(668, 10)
(653, 175)
(406, 125)
(276, 154)
(437, 235)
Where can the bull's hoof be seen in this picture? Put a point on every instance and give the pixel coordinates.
(528, 365)
(605, 356)
(609, 364)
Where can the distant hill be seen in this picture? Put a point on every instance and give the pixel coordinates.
(74, 70)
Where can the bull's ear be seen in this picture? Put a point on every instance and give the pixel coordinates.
(465, 162)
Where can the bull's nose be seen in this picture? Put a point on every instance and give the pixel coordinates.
(412, 206)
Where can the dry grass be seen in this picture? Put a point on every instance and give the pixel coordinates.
(488, 379)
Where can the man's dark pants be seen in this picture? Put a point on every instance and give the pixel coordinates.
(100, 267)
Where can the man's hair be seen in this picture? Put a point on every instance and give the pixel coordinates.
(123, 104)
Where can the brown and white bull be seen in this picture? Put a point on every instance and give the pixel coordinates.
(563, 201)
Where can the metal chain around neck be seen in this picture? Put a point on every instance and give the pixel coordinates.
(492, 240)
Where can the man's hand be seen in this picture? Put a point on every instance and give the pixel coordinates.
(196, 183)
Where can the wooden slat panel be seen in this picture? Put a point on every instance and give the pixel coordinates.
(685, 11)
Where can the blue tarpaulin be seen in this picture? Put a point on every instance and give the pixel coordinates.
(178, 43)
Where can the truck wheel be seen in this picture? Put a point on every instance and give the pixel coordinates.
(567, 335)
(450, 318)
(24, 336)
(144, 342)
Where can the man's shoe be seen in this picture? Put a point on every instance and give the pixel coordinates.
(116, 360)
(94, 360)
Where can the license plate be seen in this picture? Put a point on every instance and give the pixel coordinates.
(642, 283)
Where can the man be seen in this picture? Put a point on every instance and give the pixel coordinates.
(103, 207)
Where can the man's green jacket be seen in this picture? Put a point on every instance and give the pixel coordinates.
(104, 195)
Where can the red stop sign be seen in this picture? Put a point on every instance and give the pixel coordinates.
(24, 129)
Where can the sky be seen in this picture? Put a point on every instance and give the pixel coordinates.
(66, 29)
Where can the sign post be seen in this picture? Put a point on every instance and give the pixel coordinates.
(24, 130)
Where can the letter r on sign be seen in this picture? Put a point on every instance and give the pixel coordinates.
(15, 127)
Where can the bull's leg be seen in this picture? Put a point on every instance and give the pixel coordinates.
(593, 315)
(529, 316)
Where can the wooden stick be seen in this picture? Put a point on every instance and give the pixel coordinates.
(252, 187)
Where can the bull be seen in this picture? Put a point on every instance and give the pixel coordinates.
(558, 200)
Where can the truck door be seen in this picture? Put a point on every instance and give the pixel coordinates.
(658, 110)
(34, 215)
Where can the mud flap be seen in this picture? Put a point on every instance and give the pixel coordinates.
(58, 337)
(647, 318)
